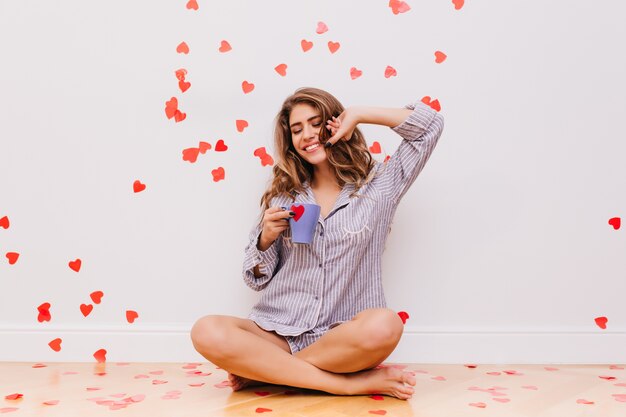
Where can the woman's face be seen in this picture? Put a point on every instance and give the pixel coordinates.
(306, 126)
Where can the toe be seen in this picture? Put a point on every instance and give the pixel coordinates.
(408, 378)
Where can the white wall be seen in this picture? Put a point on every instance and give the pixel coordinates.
(501, 251)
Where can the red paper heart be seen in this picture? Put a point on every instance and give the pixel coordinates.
(379, 412)
(191, 154)
(299, 210)
(398, 6)
(13, 396)
(601, 322)
(131, 316)
(355, 73)
(479, 405)
(184, 85)
(86, 309)
(55, 344)
(471, 366)
(608, 378)
(583, 401)
(182, 48)
(192, 4)
(204, 146)
(377, 397)
(390, 71)
(458, 4)
(262, 393)
(321, 28)
(262, 410)
(220, 146)
(138, 186)
(241, 125)
(375, 148)
(180, 74)
(306, 45)
(96, 296)
(403, 315)
(333, 46)
(218, 174)
(440, 57)
(502, 400)
(433, 104)
(44, 313)
(4, 222)
(179, 116)
(12, 257)
(247, 87)
(100, 355)
(281, 69)
(616, 222)
(225, 46)
(4, 410)
(50, 402)
(171, 107)
(75, 265)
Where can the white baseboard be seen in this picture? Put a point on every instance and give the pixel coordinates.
(418, 345)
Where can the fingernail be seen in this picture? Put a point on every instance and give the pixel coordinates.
(291, 213)
(327, 145)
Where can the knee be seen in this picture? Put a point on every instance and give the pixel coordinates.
(208, 335)
(381, 329)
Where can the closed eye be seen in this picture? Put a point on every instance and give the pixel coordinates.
(298, 131)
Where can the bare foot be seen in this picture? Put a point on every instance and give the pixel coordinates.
(385, 381)
(239, 382)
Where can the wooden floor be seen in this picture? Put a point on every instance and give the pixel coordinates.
(189, 390)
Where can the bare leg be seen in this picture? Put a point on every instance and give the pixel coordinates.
(253, 357)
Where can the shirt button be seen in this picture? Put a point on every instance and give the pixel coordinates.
(322, 233)
(320, 265)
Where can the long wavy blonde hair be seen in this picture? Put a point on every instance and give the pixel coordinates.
(350, 160)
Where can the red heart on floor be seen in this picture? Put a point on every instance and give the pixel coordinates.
(241, 125)
(375, 148)
(14, 396)
(50, 402)
(439, 378)
(608, 378)
(220, 146)
(306, 45)
(182, 48)
(179, 116)
(433, 104)
(12, 257)
(281, 69)
(493, 373)
(616, 222)
(377, 397)
(440, 57)
(398, 6)
(218, 174)
(55, 344)
(86, 309)
(180, 74)
(583, 401)
(223, 384)
(204, 146)
(616, 367)
(247, 87)
(333, 46)
(100, 355)
(299, 210)
(479, 405)
(458, 4)
(4, 222)
(321, 28)
(225, 46)
(96, 296)
(601, 322)
(44, 313)
(390, 72)
(379, 412)
(192, 4)
(131, 316)
(262, 393)
(4, 410)
(619, 397)
(355, 73)
(471, 366)
(138, 186)
(75, 265)
(403, 315)
(170, 107)
(184, 85)
(502, 400)
(262, 410)
(191, 154)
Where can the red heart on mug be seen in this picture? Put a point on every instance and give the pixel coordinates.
(299, 210)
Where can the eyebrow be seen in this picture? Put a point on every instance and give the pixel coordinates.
(309, 119)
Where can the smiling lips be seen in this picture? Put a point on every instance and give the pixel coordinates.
(314, 149)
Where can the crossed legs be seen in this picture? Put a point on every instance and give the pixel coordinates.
(339, 362)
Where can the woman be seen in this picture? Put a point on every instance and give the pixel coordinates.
(322, 321)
